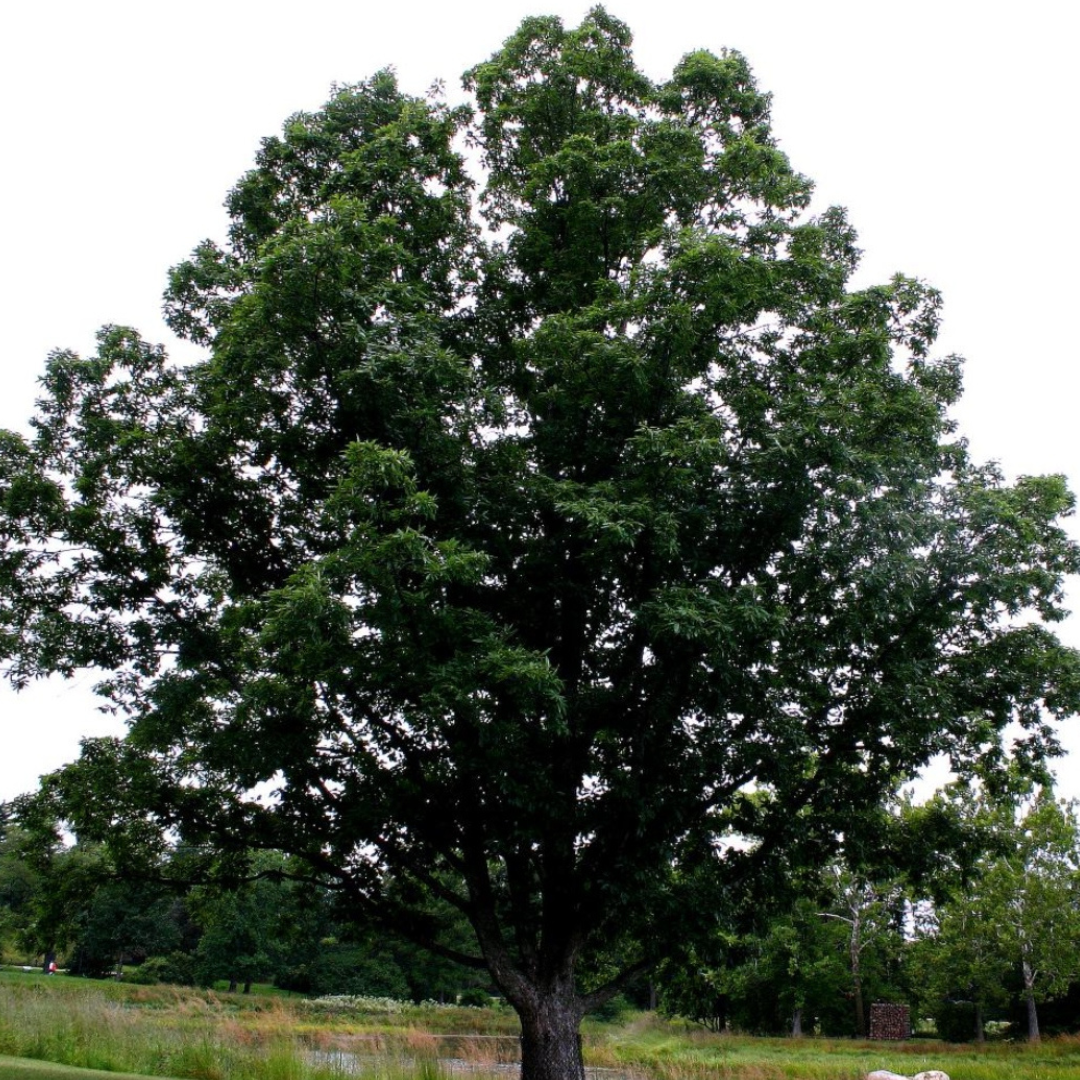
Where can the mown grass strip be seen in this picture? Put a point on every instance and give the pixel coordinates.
(12, 1068)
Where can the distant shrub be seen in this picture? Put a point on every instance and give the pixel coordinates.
(613, 1010)
(177, 969)
(475, 998)
(346, 971)
(955, 1021)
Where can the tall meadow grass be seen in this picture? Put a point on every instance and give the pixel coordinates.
(195, 1035)
(195, 1040)
(161, 1031)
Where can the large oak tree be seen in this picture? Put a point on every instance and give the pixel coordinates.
(520, 538)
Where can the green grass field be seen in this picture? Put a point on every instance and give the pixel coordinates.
(28, 1069)
(56, 1028)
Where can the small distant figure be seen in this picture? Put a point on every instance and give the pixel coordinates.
(52, 967)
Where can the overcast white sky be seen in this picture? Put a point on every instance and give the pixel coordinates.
(947, 128)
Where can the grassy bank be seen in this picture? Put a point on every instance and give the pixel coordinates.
(26, 1069)
(203, 1035)
(674, 1052)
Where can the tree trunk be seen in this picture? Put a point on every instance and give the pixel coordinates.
(232, 986)
(796, 1022)
(1033, 1018)
(860, 1008)
(542, 992)
(1029, 993)
(855, 954)
(550, 1039)
(980, 1028)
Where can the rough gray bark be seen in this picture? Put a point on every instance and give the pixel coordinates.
(550, 1040)
(860, 1009)
(545, 998)
(1032, 1012)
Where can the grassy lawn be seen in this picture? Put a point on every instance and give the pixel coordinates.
(27, 1069)
(670, 1052)
(188, 1034)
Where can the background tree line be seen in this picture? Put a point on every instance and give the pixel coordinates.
(967, 909)
(70, 901)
